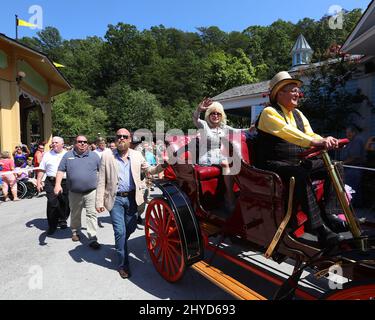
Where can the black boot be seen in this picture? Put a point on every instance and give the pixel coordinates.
(336, 224)
(326, 237)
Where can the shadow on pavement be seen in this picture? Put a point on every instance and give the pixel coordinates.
(103, 257)
(42, 225)
(106, 219)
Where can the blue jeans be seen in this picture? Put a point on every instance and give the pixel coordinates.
(124, 221)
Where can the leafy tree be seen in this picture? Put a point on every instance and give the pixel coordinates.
(131, 109)
(237, 40)
(270, 47)
(224, 71)
(122, 55)
(180, 115)
(82, 63)
(328, 103)
(168, 71)
(170, 79)
(213, 38)
(48, 41)
(72, 114)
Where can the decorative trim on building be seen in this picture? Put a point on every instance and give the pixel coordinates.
(33, 99)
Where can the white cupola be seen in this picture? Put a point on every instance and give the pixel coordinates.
(301, 52)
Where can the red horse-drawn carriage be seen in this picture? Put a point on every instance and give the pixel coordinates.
(180, 222)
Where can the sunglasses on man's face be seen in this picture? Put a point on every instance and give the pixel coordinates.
(124, 136)
(82, 142)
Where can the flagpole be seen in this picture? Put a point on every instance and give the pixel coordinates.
(16, 27)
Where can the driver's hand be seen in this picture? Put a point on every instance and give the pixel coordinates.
(332, 143)
(326, 143)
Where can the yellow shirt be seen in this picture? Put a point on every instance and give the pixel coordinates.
(273, 123)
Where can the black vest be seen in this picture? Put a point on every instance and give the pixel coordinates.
(272, 148)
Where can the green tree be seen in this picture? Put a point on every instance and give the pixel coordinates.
(82, 63)
(224, 71)
(213, 38)
(270, 47)
(328, 103)
(48, 41)
(179, 116)
(131, 109)
(180, 77)
(72, 114)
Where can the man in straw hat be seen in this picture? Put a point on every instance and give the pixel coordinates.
(284, 132)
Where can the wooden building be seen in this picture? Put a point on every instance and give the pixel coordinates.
(28, 82)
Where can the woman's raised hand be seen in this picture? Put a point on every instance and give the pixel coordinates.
(204, 105)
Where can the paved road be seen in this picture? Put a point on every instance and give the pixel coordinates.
(34, 266)
(74, 271)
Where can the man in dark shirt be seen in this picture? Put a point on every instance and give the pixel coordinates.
(81, 167)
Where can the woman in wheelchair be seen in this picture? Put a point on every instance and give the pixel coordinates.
(214, 133)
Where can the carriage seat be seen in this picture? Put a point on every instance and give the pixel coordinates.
(205, 173)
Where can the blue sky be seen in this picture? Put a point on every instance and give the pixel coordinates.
(82, 18)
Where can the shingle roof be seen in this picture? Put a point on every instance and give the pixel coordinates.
(246, 90)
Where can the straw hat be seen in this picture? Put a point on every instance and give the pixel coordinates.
(280, 80)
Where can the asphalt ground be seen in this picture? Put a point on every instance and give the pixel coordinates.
(34, 266)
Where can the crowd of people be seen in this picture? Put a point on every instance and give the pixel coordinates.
(95, 177)
(115, 176)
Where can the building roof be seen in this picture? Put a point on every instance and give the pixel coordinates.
(263, 87)
(362, 38)
(44, 65)
(246, 90)
(301, 45)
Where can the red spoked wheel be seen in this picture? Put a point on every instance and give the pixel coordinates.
(163, 240)
(363, 291)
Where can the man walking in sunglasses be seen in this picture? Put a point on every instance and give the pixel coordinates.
(81, 167)
(120, 191)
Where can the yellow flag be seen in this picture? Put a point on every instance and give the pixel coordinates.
(23, 23)
(58, 65)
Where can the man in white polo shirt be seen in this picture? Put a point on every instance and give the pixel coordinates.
(57, 205)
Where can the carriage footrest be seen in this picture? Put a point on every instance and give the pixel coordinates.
(209, 228)
(230, 285)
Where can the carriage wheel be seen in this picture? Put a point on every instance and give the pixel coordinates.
(353, 291)
(163, 240)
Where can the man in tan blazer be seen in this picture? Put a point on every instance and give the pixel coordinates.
(120, 191)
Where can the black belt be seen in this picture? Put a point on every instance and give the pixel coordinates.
(125, 194)
(53, 179)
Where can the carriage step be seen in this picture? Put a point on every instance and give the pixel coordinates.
(230, 285)
(209, 228)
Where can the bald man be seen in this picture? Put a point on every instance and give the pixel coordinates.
(57, 205)
(120, 191)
